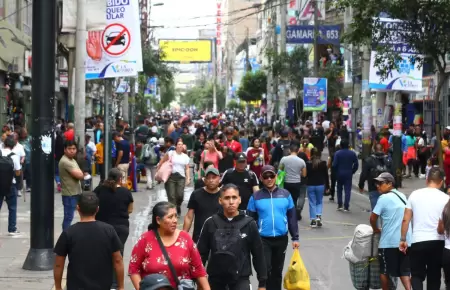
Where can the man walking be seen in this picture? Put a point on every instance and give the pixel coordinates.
(228, 241)
(123, 154)
(345, 162)
(70, 174)
(9, 170)
(274, 210)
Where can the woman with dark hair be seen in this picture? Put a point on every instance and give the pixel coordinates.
(318, 183)
(255, 156)
(115, 206)
(410, 155)
(148, 258)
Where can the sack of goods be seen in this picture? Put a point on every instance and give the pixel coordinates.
(362, 254)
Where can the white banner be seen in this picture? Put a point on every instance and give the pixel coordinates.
(116, 51)
(95, 19)
(407, 78)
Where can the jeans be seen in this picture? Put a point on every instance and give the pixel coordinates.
(57, 178)
(346, 185)
(175, 188)
(426, 262)
(315, 196)
(373, 197)
(27, 174)
(123, 232)
(11, 200)
(274, 254)
(70, 204)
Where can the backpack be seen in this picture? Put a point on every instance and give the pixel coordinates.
(6, 172)
(285, 147)
(227, 262)
(150, 155)
(382, 165)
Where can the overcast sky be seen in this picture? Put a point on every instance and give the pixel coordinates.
(175, 13)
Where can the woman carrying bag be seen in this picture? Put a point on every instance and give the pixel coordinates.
(164, 249)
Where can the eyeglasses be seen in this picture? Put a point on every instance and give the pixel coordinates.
(269, 176)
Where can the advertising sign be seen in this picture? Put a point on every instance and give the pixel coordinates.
(116, 51)
(186, 51)
(150, 90)
(307, 10)
(328, 34)
(408, 76)
(315, 94)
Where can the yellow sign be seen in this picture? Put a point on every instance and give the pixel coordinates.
(186, 51)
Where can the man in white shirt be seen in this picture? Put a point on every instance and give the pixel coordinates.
(425, 208)
(19, 151)
(8, 190)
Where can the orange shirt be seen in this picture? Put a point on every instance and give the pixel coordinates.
(99, 153)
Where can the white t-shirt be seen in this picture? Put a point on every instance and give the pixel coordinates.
(179, 162)
(15, 158)
(427, 205)
(19, 151)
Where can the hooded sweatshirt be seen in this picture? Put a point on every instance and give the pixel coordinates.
(206, 245)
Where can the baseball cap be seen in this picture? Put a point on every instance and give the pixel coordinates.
(448, 127)
(385, 177)
(241, 157)
(154, 282)
(213, 171)
(268, 168)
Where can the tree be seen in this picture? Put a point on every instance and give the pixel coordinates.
(201, 96)
(423, 28)
(253, 86)
(335, 83)
(167, 92)
(233, 105)
(153, 66)
(292, 66)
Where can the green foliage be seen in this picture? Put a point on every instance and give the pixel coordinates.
(424, 28)
(167, 92)
(153, 66)
(293, 66)
(201, 97)
(253, 86)
(335, 83)
(233, 105)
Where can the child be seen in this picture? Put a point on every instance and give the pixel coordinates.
(432, 162)
(100, 158)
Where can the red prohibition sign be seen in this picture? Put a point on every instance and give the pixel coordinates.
(122, 31)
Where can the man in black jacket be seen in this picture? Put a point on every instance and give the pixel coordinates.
(372, 167)
(227, 241)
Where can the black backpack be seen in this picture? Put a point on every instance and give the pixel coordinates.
(6, 172)
(285, 147)
(227, 262)
(381, 165)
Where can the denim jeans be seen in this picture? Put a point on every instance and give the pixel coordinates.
(57, 178)
(373, 197)
(11, 200)
(315, 196)
(70, 204)
(346, 185)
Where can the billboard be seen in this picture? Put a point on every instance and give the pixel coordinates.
(186, 50)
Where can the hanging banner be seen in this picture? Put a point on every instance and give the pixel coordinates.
(150, 90)
(315, 95)
(116, 51)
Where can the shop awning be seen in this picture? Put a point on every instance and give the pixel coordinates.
(13, 44)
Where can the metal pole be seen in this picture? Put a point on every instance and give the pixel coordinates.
(40, 256)
(71, 70)
(316, 35)
(80, 78)
(215, 77)
(366, 105)
(274, 78)
(283, 26)
(125, 103)
(107, 138)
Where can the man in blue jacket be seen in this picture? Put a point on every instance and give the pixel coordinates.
(274, 211)
(345, 164)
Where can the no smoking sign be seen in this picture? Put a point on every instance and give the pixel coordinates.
(116, 39)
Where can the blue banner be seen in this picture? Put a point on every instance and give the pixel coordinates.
(328, 34)
(315, 95)
(150, 90)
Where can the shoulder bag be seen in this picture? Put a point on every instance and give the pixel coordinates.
(183, 284)
(164, 172)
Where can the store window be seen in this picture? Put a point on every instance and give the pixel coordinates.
(27, 16)
(11, 12)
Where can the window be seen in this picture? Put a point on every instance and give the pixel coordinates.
(11, 12)
(27, 16)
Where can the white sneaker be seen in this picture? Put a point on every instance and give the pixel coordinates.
(15, 233)
(422, 176)
(19, 193)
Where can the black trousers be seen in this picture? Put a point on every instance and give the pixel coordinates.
(446, 266)
(274, 253)
(333, 179)
(426, 262)
(122, 232)
(241, 284)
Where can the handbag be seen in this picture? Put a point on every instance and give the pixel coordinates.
(164, 172)
(183, 284)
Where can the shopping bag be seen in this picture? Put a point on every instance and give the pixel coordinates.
(296, 277)
(164, 172)
(280, 178)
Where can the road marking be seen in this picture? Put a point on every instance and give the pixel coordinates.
(327, 238)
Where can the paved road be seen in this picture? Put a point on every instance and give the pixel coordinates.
(321, 249)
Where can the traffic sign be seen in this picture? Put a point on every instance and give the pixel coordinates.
(328, 34)
(116, 39)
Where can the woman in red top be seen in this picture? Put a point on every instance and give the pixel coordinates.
(147, 257)
(211, 154)
(255, 156)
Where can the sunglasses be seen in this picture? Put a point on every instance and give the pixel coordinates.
(268, 176)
